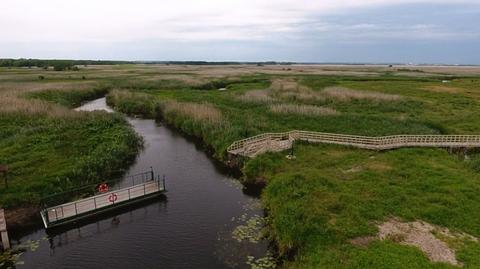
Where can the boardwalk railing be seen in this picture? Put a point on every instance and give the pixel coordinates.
(255, 145)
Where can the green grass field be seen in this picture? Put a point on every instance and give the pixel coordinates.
(50, 148)
(324, 198)
(331, 194)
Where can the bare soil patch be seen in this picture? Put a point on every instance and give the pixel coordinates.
(430, 239)
(423, 235)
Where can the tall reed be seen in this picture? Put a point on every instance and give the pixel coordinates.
(306, 110)
(345, 94)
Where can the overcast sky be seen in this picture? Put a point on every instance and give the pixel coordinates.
(417, 31)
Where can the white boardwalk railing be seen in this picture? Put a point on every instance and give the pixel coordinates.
(252, 146)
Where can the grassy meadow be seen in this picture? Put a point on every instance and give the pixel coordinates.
(316, 204)
(47, 146)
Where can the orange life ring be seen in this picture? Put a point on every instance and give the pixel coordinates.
(103, 188)
(112, 198)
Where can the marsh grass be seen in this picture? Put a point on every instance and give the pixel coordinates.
(204, 112)
(202, 120)
(282, 90)
(12, 104)
(257, 96)
(328, 194)
(345, 94)
(314, 207)
(49, 147)
(143, 104)
(133, 103)
(293, 91)
(306, 110)
(33, 86)
(69, 98)
(48, 154)
(44, 98)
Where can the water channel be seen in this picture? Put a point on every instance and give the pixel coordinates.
(204, 220)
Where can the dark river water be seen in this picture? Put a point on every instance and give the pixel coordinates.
(191, 227)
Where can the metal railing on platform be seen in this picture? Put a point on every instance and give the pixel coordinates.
(92, 189)
(140, 185)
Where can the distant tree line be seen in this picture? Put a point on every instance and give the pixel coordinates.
(58, 65)
(213, 63)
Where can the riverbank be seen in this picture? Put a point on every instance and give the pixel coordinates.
(206, 215)
(329, 196)
(328, 207)
(50, 148)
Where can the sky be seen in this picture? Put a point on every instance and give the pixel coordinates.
(350, 31)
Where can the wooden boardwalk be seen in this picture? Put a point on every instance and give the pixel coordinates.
(252, 146)
(3, 230)
(64, 213)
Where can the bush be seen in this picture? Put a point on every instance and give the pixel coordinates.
(63, 65)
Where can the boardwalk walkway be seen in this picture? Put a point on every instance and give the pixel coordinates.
(252, 146)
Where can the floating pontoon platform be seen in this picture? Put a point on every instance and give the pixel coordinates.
(73, 211)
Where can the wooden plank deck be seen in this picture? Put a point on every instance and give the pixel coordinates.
(252, 146)
(53, 216)
(3, 230)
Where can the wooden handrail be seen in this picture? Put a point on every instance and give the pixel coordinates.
(252, 146)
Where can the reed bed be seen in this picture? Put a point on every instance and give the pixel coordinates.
(285, 85)
(282, 89)
(14, 97)
(306, 110)
(257, 96)
(291, 90)
(345, 94)
(189, 80)
(12, 104)
(204, 112)
(132, 103)
(9, 104)
(121, 94)
(24, 87)
(143, 104)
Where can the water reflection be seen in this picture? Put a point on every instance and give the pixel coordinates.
(193, 229)
(104, 223)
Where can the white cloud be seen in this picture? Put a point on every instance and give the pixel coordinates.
(184, 20)
(234, 29)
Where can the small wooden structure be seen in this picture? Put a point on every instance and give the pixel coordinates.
(252, 146)
(73, 211)
(3, 230)
(4, 172)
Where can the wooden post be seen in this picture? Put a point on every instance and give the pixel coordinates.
(3, 230)
(4, 171)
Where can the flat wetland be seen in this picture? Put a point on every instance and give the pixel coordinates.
(327, 208)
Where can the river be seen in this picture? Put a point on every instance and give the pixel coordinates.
(207, 219)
